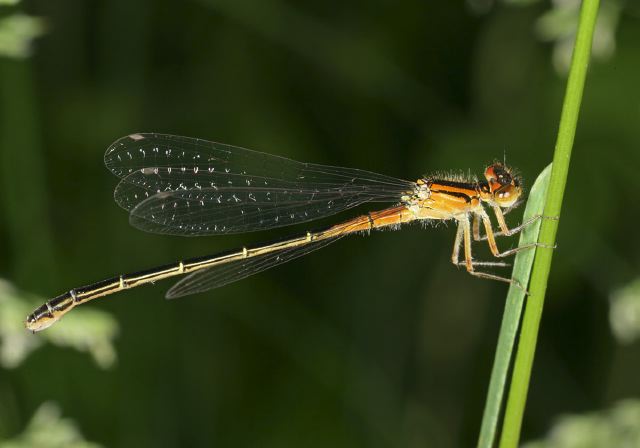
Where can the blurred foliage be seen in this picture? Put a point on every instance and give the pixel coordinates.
(88, 330)
(374, 342)
(624, 313)
(560, 23)
(17, 31)
(48, 430)
(616, 427)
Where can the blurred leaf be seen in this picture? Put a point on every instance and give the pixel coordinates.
(560, 23)
(17, 32)
(624, 312)
(616, 427)
(47, 429)
(15, 342)
(88, 330)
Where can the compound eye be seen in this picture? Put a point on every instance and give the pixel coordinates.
(497, 173)
(502, 176)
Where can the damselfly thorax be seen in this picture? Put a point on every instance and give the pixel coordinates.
(191, 187)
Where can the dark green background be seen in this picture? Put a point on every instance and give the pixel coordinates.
(372, 342)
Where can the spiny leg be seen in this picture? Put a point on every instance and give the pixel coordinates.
(463, 223)
(513, 231)
(455, 256)
(477, 237)
(490, 236)
(494, 264)
(504, 229)
(476, 228)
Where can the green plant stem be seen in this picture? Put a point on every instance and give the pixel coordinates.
(542, 264)
(513, 312)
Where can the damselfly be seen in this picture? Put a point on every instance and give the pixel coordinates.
(186, 186)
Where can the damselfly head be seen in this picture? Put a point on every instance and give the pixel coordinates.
(503, 185)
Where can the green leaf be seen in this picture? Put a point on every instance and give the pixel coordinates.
(513, 311)
(17, 33)
(48, 429)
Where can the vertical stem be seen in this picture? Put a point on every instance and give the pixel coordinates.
(542, 264)
(512, 313)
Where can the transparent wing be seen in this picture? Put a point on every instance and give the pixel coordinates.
(186, 186)
(216, 276)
